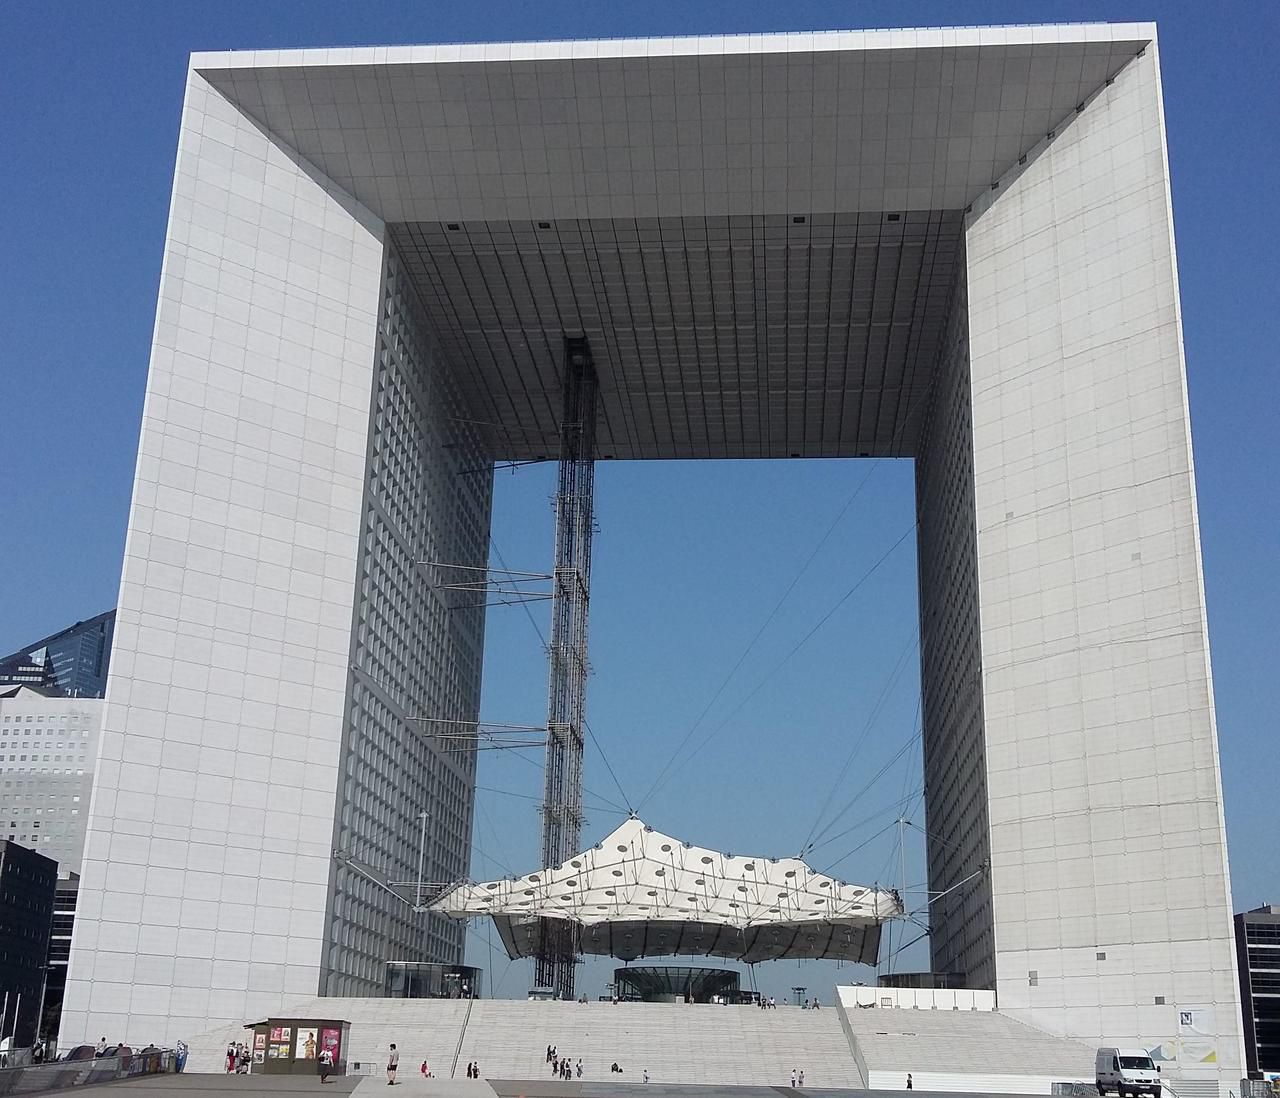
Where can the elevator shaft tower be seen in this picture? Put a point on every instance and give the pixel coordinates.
(567, 688)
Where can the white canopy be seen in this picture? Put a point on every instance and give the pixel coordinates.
(640, 893)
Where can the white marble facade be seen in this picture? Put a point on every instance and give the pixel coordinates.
(1107, 840)
(1069, 733)
(207, 861)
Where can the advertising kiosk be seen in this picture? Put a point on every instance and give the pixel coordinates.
(292, 1046)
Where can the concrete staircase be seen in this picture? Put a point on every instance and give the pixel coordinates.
(677, 1043)
(674, 1042)
(953, 1050)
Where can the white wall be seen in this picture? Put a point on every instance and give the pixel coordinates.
(916, 998)
(1106, 818)
(211, 822)
(958, 1082)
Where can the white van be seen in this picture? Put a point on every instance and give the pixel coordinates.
(1126, 1071)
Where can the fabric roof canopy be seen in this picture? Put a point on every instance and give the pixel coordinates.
(640, 893)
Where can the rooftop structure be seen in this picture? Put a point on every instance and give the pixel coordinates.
(640, 893)
(73, 661)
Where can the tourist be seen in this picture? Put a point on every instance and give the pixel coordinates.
(909, 1086)
(475, 1070)
(579, 1069)
(772, 1004)
(393, 1065)
(550, 1053)
(325, 1064)
(646, 1075)
(101, 1049)
(793, 1078)
(180, 1056)
(802, 1077)
(423, 1069)
(231, 1054)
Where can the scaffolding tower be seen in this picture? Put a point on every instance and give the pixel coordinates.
(567, 687)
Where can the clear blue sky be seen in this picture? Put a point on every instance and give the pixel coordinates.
(690, 560)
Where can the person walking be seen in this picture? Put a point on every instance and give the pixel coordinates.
(909, 1085)
(393, 1065)
(579, 1069)
(325, 1064)
(793, 1078)
(646, 1075)
(550, 1053)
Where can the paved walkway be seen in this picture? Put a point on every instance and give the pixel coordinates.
(372, 1086)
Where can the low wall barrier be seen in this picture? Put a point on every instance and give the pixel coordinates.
(35, 1078)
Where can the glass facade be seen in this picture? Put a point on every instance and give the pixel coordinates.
(72, 662)
(428, 980)
(416, 653)
(1258, 959)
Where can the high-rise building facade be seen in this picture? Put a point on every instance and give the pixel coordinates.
(1258, 960)
(26, 912)
(65, 894)
(950, 245)
(73, 661)
(48, 745)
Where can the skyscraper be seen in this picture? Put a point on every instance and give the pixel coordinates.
(1258, 957)
(953, 245)
(73, 661)
(26, 913)
(48, 746)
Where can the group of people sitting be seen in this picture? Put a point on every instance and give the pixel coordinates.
(561, 1067)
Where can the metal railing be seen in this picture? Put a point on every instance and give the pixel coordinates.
(34, 1078)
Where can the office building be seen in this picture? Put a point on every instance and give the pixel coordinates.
(26, 912)
(72, 662)
(64, 920)
(954, 246)
(48, 745)
(1258, 959)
